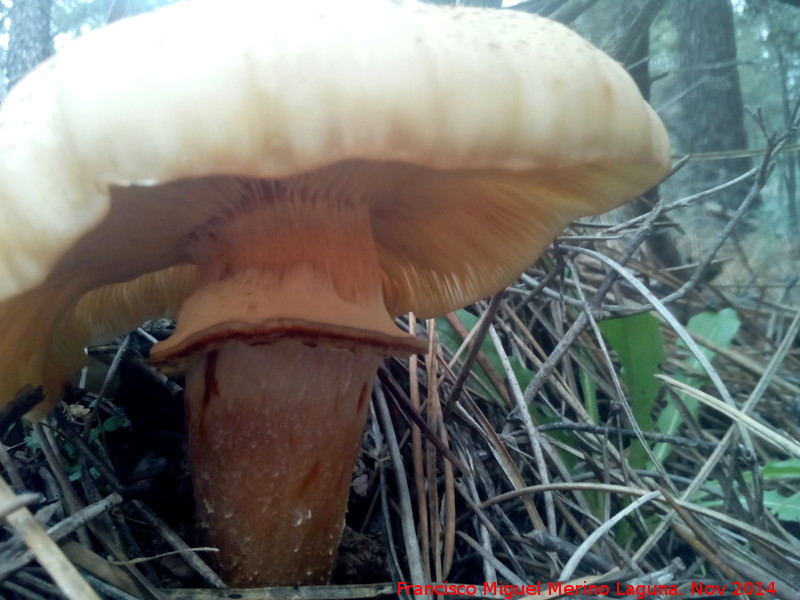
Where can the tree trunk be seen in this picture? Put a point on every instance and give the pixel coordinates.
(660, 243)
(711, 119)
(623, 31)
(30, 40)
(711, 108)
(789, 161)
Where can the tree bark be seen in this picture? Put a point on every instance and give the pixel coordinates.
(30, 41)
(711, 108)
(625, 43)
(630, 44)
(659, 244)
(710, 115)
(790, 161)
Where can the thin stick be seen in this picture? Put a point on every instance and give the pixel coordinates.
(46, 550)
(477, 340)
(417, 573)
(417, 457)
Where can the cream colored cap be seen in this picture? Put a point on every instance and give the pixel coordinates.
(475, 136)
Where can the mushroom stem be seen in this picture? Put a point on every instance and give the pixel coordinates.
(280, 342)
(273, 435)
(280, 257)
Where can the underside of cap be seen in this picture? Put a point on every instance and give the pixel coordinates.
(288, 88)
(474, 136)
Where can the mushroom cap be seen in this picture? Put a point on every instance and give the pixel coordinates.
(474, 135)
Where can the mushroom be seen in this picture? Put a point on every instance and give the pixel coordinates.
(286, 178)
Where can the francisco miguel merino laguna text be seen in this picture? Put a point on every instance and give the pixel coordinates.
(552, 587)
(734, 588)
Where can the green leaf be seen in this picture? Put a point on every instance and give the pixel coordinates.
(719, 328)
(451, 340)
(115, 422)
(448, 337)
(640, 350)
(94, 434)
(589, 387)
(524, 374)
(32, 442)
(112, 423)
(776, 470)
(783, 507)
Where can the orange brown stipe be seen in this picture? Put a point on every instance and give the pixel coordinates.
(307, 429)
(362, 397)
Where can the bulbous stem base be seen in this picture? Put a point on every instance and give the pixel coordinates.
(272, 463)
